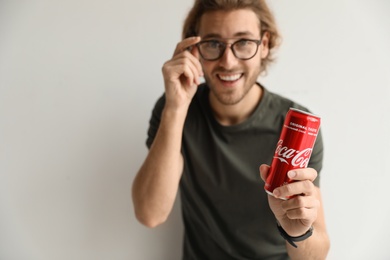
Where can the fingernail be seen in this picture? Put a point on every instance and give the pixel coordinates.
(276, 193)
(292, 174)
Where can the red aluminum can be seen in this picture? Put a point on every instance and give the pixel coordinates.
(294, 147)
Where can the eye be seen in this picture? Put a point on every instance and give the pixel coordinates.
(242, 43)
(213, 44)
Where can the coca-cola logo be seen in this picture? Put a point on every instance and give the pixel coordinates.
(298, 159)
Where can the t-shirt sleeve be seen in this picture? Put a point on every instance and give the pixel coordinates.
(154, 121)
(317, 157)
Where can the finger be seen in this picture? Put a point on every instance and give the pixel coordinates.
(303, 174)
(185, 44)
(183, 65)
(300, 202)
(193, 68)
(305, 187)
(301, 207)
(185, 57)
(303, 214)
(263, 169)
(194, 60)
(196, 55)
(176, 69)
(190, 75)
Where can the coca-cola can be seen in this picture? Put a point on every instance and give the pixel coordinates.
(294, 147)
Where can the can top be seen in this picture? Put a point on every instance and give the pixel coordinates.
(303, 112)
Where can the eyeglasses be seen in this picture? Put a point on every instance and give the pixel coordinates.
(243, 49)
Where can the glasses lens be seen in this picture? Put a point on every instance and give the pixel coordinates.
(245, 49)
(211, 50)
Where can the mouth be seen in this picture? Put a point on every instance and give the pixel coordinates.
(230, 78)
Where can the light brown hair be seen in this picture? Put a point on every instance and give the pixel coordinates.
(259, 7)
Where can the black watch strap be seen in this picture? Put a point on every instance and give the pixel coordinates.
(291, 240)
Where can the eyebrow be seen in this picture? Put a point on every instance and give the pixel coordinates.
(238, 34)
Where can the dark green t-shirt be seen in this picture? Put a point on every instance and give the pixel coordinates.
(224, 206)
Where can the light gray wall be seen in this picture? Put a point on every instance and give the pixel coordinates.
(78, 80)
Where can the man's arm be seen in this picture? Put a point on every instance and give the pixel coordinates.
(298, 214)
(156, 183)
(317, 246)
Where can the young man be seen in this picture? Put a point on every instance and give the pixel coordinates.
(208, 140)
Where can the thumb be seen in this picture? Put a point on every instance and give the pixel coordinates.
(263, 169)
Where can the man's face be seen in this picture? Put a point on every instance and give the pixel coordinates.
(230, 78)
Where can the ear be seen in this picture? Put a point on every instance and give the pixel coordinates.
(265, 45)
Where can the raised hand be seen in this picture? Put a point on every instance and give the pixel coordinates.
(181, 74)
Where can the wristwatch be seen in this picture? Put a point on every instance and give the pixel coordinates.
(290, 239)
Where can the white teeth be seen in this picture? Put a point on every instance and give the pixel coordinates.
(230, 77)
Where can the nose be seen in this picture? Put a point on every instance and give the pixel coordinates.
(228, 59)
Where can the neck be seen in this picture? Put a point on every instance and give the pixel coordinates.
(229, 115)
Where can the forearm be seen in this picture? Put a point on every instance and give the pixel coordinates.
(156, 184)
(317, 246)
(314, 248)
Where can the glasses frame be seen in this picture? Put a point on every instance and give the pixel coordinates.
(225, 45)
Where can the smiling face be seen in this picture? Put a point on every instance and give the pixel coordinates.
(229, 78)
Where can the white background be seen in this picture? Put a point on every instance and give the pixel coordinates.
(78, 80)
